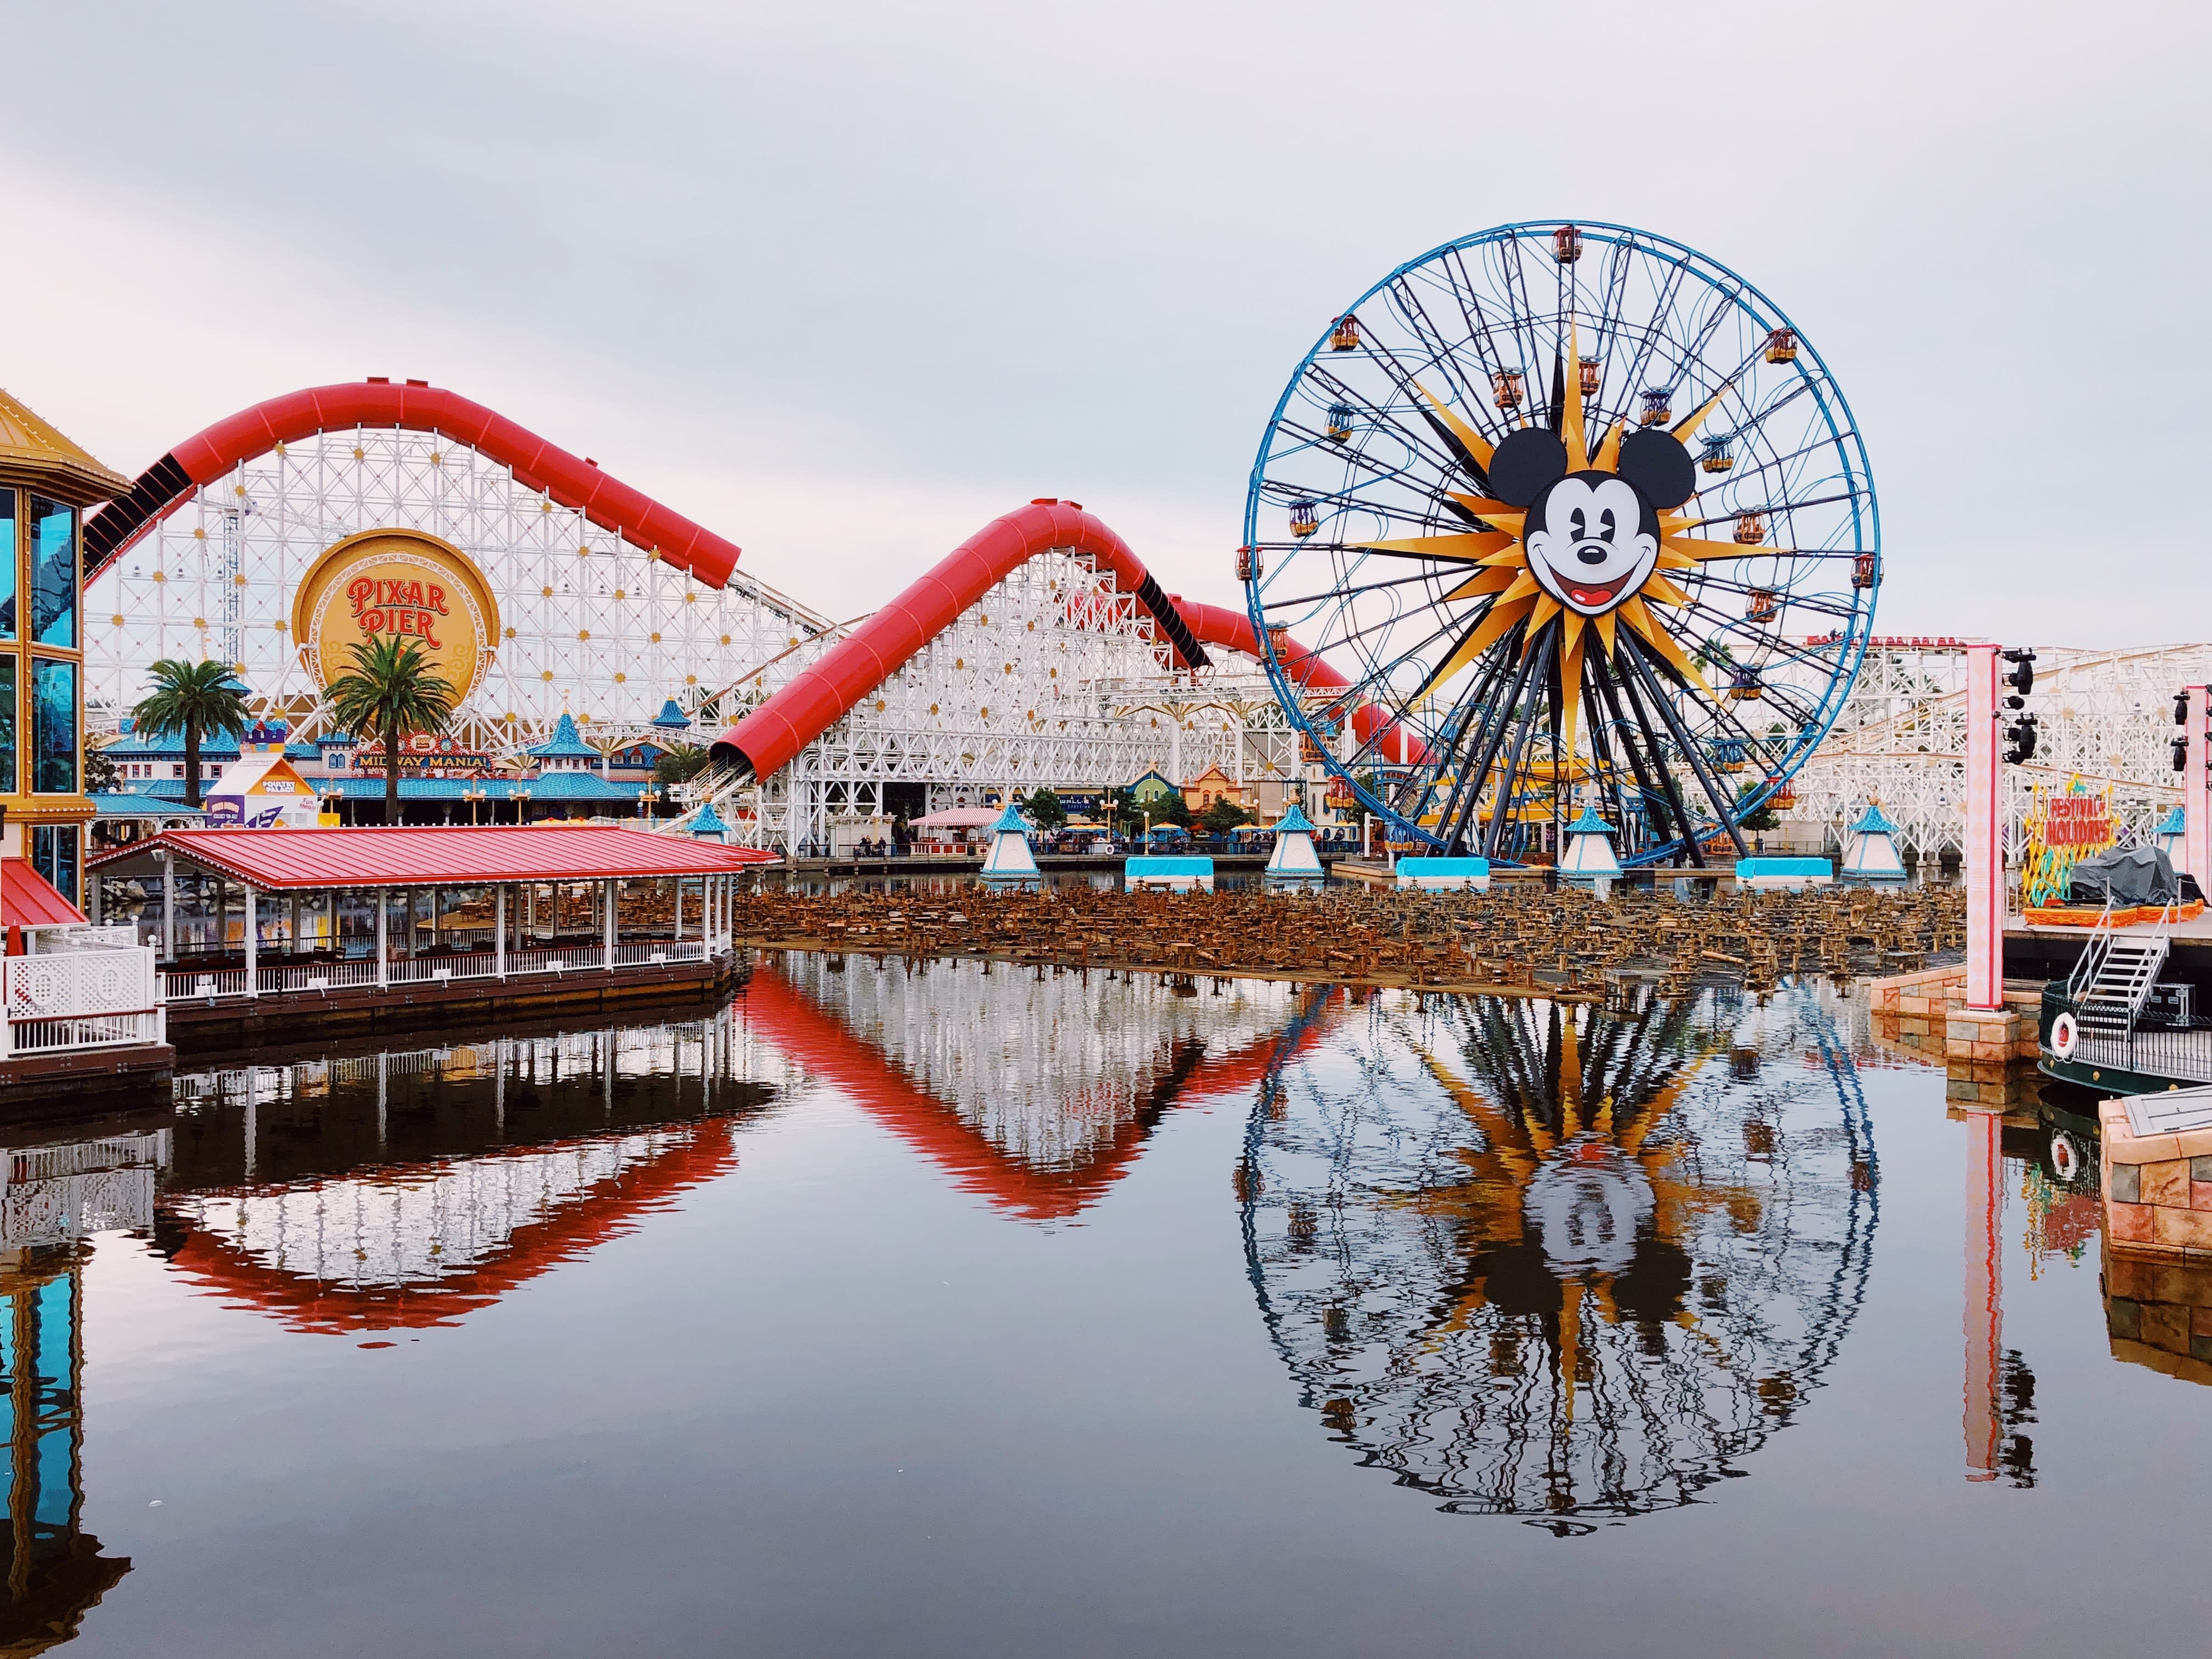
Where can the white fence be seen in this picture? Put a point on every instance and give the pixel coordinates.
(197, 985)
(87, 988)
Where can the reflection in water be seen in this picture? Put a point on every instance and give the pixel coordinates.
(52, 1198)
(394, 1190)
(1034, 1088)
(1563, 1262)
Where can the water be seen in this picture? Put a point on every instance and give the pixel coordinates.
(948, 1312)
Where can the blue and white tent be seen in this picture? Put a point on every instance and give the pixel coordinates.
(1871, 853)
(1009, 863)
(1589, 857)
(1294, 862)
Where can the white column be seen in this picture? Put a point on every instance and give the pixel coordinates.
(98, 884)
(679, 907)
(169, 910)
(252, 942)
(610, 941)
(499, 931)
(292, 925)
(383, 919)
(1984, 863)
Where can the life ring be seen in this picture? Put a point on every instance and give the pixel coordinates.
(2065, 1157)
(2064, 1035)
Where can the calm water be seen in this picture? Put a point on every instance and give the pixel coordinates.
(944, 1312)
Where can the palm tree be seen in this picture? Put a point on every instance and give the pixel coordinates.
(200, 699)
(393, 689)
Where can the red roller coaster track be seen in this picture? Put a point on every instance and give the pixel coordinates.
(574, 481)
(818, 696)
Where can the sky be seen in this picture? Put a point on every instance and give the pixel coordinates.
(844, 282)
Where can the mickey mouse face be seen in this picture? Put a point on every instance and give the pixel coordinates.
(1592, 536)
(1590, 548)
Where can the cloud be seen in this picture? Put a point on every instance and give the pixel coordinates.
(849, 276)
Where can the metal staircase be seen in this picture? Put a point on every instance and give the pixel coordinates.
(2113, 979)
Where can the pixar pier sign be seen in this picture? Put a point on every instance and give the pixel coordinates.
(383, 583)
(391, 605)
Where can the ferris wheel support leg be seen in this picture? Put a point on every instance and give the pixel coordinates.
(1984, 851)
(1653, 793)
(1459, 814)
(1501, 809)
(1689, 747)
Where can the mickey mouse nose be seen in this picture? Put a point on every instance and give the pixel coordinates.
(1593, 555)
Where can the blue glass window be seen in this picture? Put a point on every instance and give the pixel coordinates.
(53, 728)
(53, 572)
(7, 564)
(8, 785)
(53, 855)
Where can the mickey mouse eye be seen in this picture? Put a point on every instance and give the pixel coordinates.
(1605, 525)
(1575, 525)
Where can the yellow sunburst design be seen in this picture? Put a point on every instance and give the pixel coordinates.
(1504, 584)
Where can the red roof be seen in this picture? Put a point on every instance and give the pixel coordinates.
(28, 900)
(458, 856)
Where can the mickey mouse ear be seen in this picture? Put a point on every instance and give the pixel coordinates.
(1527, 463)
(1659, 466)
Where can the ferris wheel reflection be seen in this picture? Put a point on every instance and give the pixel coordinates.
(1567, 1263)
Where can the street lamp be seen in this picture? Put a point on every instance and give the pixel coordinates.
(522, 805)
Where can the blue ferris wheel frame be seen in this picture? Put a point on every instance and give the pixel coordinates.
(1854, 631)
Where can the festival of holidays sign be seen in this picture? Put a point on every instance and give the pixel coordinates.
(2062, 827)
(397, 584)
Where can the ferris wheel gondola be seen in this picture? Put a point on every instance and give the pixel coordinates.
(1570, 510)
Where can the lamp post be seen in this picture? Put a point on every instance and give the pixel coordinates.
(472, 795)
(522, 805)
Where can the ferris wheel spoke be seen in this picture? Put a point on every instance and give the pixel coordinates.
(1646, 338)
(1353, 589)
(1488, 358)
(1445, 461)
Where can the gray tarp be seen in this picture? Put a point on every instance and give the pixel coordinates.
(2126, 875)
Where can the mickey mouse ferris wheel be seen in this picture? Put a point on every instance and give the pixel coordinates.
(1559, 515)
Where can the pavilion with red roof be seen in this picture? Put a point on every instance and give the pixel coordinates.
(329, 919)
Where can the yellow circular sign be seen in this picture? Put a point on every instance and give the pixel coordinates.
(397, 584)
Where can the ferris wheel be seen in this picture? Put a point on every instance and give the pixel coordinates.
(1562, 512)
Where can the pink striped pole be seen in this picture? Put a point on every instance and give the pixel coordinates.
(1984, 849)
(2195, 827)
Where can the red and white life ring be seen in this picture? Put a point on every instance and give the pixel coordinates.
(2066, 1158)
(2065, 1034)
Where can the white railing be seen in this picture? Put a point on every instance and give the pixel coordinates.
(201, 984)
(41, 1036)
(317, 977)
(653, 952)
(557, 958)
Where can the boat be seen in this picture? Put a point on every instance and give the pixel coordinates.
(2121, 1022)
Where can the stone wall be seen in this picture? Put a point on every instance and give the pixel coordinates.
(1926, 1014)
(2157, 1188)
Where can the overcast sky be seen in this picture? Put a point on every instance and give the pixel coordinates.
(844, 281)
